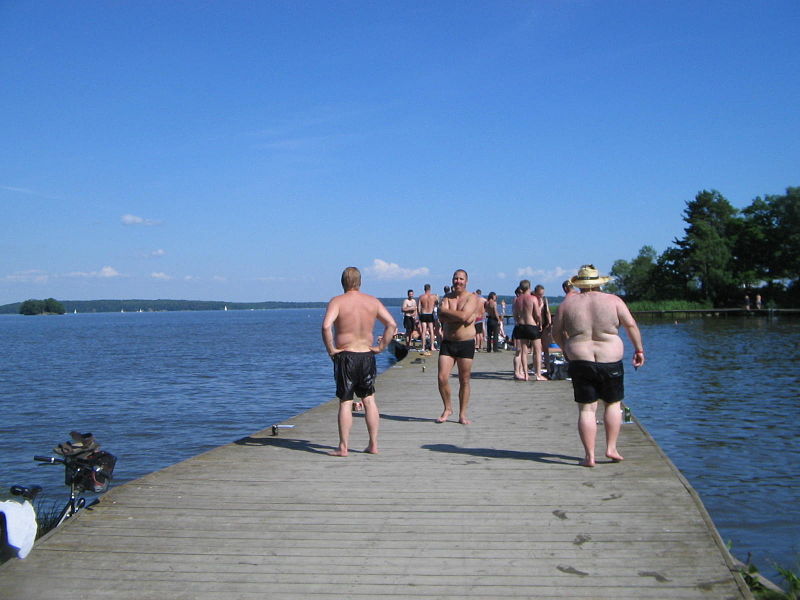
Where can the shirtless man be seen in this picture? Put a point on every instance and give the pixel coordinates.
(409, 309)
(527, 331)
(547, 324)
(457, 315)
(352, 315)
(493, 322)
(427, 305)
(586, 328)
(480, 313)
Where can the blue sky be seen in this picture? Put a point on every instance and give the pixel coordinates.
(249, 151)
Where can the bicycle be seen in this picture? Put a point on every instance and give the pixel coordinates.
(86, 469)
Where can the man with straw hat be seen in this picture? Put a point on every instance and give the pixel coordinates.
(586, 328)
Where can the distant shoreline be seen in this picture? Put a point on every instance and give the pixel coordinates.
(139, 305)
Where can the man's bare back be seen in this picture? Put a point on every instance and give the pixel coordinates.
(353, 315)
(590, 322)
(347, 334)
(427, 302)
(525, 310)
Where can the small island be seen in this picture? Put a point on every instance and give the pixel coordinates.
(50, 306)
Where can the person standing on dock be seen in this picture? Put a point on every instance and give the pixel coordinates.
(493, 321)
(409, 310)
(480, 313)
(586, 327)
(457, 316)
(347, 331)
(527, 333)
(427, 306)
(547, 324)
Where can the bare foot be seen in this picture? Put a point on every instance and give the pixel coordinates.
(587, 463)
(371, 449)
(444, 416)
(339, 452)
(464, 421)
(540, 378)
(615, 456)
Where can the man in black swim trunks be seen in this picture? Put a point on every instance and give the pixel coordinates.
(457, 316)
(352, 316)
(427, 306)
(586, 327)
(409, 310)
(527, 332)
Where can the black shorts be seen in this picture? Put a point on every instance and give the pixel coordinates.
(592, 381)
(479, 327)
(426, 317)
(354, 372)
(409, 323)
(526, 332)
(457, 349)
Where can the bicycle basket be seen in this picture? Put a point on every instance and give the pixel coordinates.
(90, 472)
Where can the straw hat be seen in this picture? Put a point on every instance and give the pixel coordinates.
(588, 277)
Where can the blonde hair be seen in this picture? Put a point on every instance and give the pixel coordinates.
(351, 279)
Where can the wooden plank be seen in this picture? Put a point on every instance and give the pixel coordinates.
(498, 509)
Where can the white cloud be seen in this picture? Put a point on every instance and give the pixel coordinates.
(542, 274)
(157, 253)
(105, 272)
(219, 278)
(31, 276)
(162, 276)
(501, 275)
(386, 270)
(134, 220)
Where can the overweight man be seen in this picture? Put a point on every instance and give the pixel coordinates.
(586, 327)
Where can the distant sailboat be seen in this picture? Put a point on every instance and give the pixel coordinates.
(226, 307)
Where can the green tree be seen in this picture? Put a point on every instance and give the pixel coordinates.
(634, 279)
(708, 246)
(786, 210)
(671, 277)
(620, 271)
(32, 307)
(53, 306)
(41, 307)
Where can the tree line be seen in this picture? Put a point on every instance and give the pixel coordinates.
(724, 255)
(50, 306)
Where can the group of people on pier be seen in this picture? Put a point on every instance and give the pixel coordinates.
(585, 327)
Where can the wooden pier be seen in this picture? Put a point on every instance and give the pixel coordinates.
(498, 509)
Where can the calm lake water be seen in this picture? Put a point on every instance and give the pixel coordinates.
(719, 395)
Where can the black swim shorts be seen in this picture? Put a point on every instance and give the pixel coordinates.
(479, 327)
(408, 322)
(592, 381)
(426, 317)
(354, 372)
(457, 349)
(526, 332)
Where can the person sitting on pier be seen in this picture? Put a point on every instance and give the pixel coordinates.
(457, 315)
(586, 327)
(347, 334)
